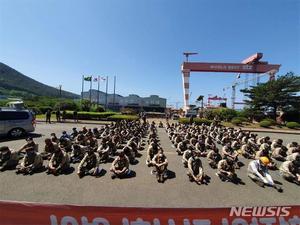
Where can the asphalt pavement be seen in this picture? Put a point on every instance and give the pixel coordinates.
(142, 190)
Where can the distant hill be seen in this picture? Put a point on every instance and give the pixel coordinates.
(15, 83)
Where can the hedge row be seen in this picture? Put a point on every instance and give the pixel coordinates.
(89, 115)
(197, 121)
(122, 117)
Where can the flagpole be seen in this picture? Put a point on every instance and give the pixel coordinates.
(98, 90)
(91, 89)
(82, 88)
(114, 91)
(106, 93)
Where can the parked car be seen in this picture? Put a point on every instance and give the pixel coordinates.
(16, 122)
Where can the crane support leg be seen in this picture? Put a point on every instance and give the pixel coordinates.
(186, 88)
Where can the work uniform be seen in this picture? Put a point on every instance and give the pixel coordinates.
(195, 168)
(60, 161)
(289, 171)
(213, 158)
(120, 164)
(8, 160)
(32, 162)
(89, 165)
(223, 167)
(186, 156)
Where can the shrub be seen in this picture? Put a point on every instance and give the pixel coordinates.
(292, 125)
(118, 117)
(273, 122)
(90, 115)
(225, 114)
(197, 121)
(237, 121)
(265, 123)
(97, 109)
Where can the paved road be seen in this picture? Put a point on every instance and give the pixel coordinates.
(142, 190)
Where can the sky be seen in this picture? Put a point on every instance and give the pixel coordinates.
(141, 42)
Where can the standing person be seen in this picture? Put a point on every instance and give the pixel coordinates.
(64, 115)
(48, 116)
(258, 172)
(75, 116)
(57, 115)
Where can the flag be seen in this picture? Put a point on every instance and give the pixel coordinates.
(103, 78)
(88, 78)
(95, 79)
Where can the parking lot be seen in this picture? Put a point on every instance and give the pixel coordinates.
(142, 190)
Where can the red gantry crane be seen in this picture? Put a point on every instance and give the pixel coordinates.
(250, 65)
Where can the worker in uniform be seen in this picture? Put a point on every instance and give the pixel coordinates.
(214, 157)
(59, 162)
(226, 171)
(182, 146)
(195, 169)
(50, 148)
(9, 158)
(264, 151)
(229, 152)
(290, 170)
(160, 164)
(258, 172)
(32, 162)
(120, 166)
(103, 151)
(89, 165)
(151, 152)
(247, 151)
(187, 155)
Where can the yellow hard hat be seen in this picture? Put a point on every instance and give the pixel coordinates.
(265, 160)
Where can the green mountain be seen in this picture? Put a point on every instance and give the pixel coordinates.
(14, 83)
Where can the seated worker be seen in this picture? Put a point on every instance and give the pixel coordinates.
(151, 152)
(195, 169)
(103, 151)
(279, 153)
(89, 165)
(29, 143)
(214, 157)
(160, 164)
(258, 172)
(290, 170)
(226, 171)
(264, 151)
(187, 155)
(32, 162)
(182, 146)
(59, 162)
(229, 152)
(9, 159)
(77, 153)
(50, 148)
(120, 166)
(248, 151)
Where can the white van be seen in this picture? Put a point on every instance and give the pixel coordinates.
(16, 122)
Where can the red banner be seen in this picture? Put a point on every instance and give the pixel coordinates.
(15, 213)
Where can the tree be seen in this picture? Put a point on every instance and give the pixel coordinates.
(274, 95)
